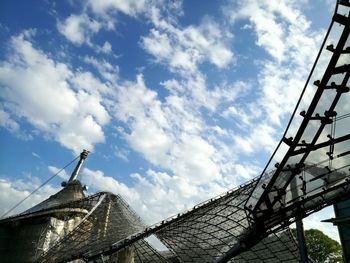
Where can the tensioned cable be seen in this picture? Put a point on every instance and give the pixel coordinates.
(35, 190)
(341, 117)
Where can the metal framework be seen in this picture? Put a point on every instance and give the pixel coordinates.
(202, 234)
(308, 171)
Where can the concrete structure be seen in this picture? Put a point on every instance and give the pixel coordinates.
(24, 237)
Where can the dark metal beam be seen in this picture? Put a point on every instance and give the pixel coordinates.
(264, 198)
(321, 145)
(301, 241)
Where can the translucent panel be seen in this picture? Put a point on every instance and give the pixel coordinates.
(315, 134)
(343, 9)
(316, 75)
(344, 59)
(268, 173)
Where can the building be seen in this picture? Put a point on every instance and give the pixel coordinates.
(48, 225)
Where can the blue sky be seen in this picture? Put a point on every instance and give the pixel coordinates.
(177, 101)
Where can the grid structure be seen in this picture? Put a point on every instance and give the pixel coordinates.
(203, 234)
(278, 247)
(208, 232)
(109, 219)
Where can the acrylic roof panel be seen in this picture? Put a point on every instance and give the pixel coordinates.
(317, 135)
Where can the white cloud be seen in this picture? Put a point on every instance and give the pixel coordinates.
(262, 137)
(36, 155)
(99, 181)
(173, 136)
(106, 48)
(121, 153)
(282, 31)
(99, 15)
(80, 133)
(14, 191)
(78, 28)
(183, 49)
(7, 122)
(40, 90)
(165, 133)
(195, 89)
(154, 195)
(107, 71)
(130, 7)
(61, 173)
(247, 170)
(157, 44)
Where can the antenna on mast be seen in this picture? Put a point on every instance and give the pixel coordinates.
(75, 173)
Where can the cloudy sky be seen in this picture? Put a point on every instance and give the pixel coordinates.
(177, 101)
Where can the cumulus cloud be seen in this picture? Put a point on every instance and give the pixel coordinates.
(107, 71)
(131, 7)
(79, 28)
(190, 161)
(154, 195)
(7, 122)
(283, 76)
(46, 93)
(14, 191)
(106, 48)
(99, 15)
(183, 49)
(61, 173)
(165, 133)
(121, 153)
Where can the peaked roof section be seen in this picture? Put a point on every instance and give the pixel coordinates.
(73, 191)
(66, 200)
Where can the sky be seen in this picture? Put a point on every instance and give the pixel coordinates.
(178, 101)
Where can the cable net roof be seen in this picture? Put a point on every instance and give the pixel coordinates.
(109, 219)
(199, 235)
